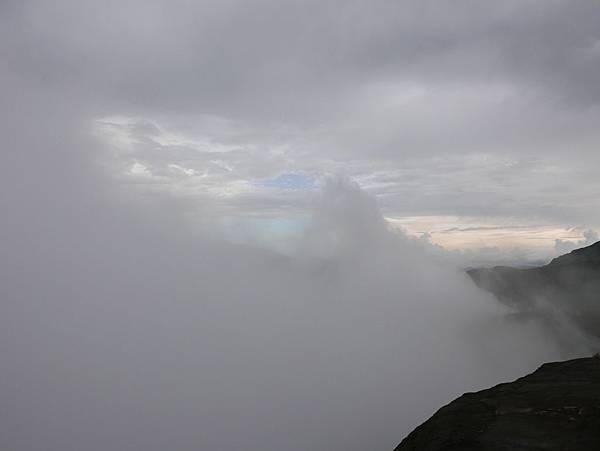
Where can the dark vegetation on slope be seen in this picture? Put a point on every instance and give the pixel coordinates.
(556, 408)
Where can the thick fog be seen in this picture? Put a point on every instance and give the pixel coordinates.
(122, 327)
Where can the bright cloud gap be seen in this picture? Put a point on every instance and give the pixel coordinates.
(206, 166)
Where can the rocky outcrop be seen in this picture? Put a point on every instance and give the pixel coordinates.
(556, 408)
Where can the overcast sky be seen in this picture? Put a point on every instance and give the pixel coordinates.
(481, 114)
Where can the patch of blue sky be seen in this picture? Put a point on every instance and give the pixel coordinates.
(290, 180)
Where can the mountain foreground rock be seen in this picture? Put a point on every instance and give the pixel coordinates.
(556, 408)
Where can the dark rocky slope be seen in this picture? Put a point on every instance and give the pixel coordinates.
(570, 284)
(556, 408)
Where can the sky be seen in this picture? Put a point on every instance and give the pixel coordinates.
(243, 224)
(485, 113)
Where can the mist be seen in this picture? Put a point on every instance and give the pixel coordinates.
(125, 327)
(129, 322)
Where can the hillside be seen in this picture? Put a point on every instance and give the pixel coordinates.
(556, 408)
(569, 284)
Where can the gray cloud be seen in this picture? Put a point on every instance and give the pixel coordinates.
(382, 84)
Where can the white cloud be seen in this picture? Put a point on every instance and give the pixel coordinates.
(563, 246)
(139, 169)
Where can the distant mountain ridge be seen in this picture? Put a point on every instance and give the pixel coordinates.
(569, 284)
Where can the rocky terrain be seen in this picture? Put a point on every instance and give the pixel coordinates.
(556, 408)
